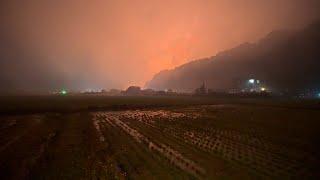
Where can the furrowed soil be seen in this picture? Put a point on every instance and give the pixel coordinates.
(214, 141)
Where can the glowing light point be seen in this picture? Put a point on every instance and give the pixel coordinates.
(63, 92)
(263, 89)
(318, 95)
(251, 81)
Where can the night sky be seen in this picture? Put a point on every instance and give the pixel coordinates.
(76, 44)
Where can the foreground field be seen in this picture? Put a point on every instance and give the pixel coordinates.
(221, 141)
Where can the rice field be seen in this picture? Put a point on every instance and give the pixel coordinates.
(218, 141)
(176, 133)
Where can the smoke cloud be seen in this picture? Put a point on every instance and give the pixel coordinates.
(77, 44)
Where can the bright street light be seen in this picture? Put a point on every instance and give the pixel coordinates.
(251, 81)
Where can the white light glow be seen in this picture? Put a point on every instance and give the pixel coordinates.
(251, 81)
(63, 92)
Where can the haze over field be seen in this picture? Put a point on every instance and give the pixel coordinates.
(47, 45)
(159, 89)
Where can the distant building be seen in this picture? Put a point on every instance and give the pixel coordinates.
(202, 90)
(133, 90)
(114, 92)
(161, 93)
(255, 86)
(103, 91)
(137, 91)
(148, 92)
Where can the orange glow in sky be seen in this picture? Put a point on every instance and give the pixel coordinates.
(117, 43)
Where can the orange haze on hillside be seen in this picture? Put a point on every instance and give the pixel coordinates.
(116, 43)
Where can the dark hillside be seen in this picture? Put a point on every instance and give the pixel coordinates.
(276, 59)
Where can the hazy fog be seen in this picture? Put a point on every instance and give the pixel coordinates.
(80, 44)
